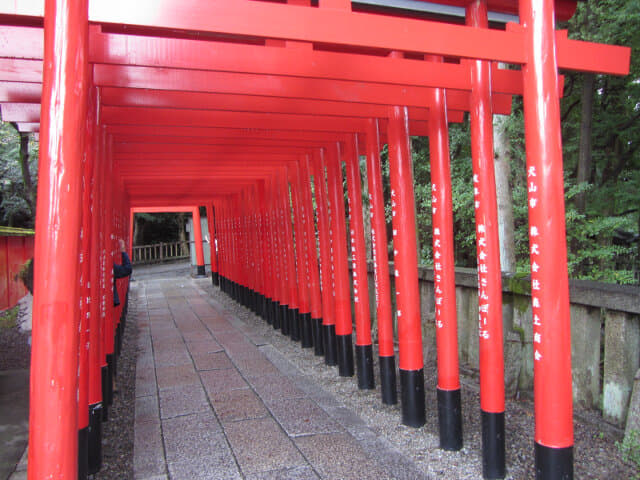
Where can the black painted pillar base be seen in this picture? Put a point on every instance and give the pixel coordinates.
(95, 438)
(215, 279)
(277, 319)
(412, 391)
(345, 355)
(318, 344)
(110, 375)
(200, 271)
(450, 419)
(306, 325)
(330, 345)
(265, 302)
(493, 453)
(553, 463)
(364, 366)
(105, 388)
(388, 386)
(294, 319)
(83, 453)
(284, 319)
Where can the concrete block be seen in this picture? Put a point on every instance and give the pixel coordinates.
(621, 361)
(586, 328)
(633, 416)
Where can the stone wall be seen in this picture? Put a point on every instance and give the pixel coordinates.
(605, 336)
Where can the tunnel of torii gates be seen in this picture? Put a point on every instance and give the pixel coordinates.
(250, 108)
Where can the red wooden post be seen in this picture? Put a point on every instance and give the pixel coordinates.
(53, 420)
(283, 248)
(312, 257)
(364, 349)
(87, 262)
(338, 232)
(213, 242)
(294, 326)
(197, 238)
(328, 301)
(95, 398)
(449, 399)
(300, 221)
(386, 354)
(488, 255)
(547, 243)
(406, 269)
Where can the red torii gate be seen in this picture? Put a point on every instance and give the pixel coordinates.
(273, 95)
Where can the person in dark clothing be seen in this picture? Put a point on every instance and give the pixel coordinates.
(120, 271)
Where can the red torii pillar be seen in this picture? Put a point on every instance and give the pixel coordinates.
(386, 354)
(448, 391)
(338, 230)
(548, 250)
(312, 257)
(328, 300)
(364, 348)
(197, 238)
(53, 418)
(406, 269)
(213, 245)
(488, 256)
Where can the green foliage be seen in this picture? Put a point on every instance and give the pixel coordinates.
(8, 318)
(630, 448)
(14, 196)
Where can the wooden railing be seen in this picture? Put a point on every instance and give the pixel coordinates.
(160, 252)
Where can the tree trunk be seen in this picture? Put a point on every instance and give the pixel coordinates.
(30, 194)
(584, 153)
(506, 227)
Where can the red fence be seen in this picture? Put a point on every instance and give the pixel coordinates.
(14, 253)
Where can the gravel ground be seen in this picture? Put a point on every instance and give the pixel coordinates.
(595, 451)
(117, 432)
(15, 351)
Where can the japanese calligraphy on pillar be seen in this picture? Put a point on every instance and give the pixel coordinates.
(437, 256)
(374, 237)
(483, 270)
(532, 188)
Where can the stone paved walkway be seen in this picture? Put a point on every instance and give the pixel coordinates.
(215, 401)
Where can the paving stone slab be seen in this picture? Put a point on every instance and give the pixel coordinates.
(147, 409)
(300, 473)
(172, 357)
(148, 454)
(255, 366)
(351, 463)
(273, 387)
(204, 346)
(212, 361)
(176, 376)
(393, 461)
(199, 334)
(279, 360)
(301, 416)
(216, 381)
(265, 436)
(237, 405)
(205, 468)
(192, 436)
(183, 400)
